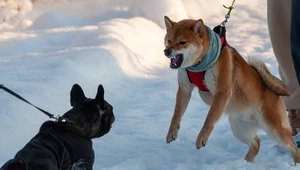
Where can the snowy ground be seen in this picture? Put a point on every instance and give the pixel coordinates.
(46, 47)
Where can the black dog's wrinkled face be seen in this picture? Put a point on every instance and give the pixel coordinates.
(94, 116)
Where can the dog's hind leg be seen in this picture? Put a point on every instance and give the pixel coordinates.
(276, 124)
(246, 132)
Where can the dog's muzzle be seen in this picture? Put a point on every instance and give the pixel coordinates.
(105, 124)
(167, 52)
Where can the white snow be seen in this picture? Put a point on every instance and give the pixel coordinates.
(48, 46)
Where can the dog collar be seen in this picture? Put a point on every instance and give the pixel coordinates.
(211, 56)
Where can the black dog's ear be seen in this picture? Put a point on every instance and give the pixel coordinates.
(77, 94)
(100, 96)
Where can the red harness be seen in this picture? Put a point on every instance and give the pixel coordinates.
(197, 78)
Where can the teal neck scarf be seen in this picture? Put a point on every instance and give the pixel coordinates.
(211, 56)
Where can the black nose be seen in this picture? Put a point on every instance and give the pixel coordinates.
(167, 52)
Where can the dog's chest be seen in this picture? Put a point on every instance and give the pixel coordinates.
(210, 80)
(84, 164)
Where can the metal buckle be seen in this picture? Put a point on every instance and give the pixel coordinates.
(60, 119)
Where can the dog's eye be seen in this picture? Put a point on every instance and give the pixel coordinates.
(169, 41)
(182, 42)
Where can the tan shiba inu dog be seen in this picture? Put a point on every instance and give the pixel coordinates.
(247, 92)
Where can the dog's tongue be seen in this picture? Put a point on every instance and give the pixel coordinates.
(174, 60)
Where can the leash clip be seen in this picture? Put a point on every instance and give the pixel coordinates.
(59, 119)
(227, 16)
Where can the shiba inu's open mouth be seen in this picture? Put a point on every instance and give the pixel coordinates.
(176, 61)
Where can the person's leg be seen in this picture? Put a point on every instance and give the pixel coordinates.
(295, 37)
(294, 114)
(279, 24)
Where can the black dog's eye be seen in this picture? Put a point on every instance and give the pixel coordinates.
(169, 41)
(182, 42)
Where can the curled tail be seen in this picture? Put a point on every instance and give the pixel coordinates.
(270, 81)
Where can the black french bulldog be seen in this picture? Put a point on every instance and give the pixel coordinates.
(66, 144)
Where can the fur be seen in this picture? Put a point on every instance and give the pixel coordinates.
(271, 81)
(247, 92)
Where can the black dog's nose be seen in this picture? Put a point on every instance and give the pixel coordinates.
(167, 52)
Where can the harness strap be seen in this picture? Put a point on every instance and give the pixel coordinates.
(221, 31)
(197, 78)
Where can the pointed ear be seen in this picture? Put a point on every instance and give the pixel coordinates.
(100, 96)
(199, 26)
(77, 95)
(169, 23)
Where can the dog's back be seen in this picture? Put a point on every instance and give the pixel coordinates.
(54, 147)
(14, 164)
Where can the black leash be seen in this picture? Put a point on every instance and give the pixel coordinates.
(51, 116)
(21, 98)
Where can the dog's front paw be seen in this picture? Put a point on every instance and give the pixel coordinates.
(173, 132)
(201, 140)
